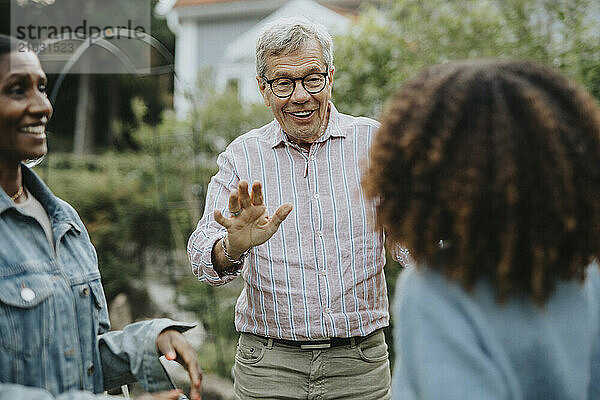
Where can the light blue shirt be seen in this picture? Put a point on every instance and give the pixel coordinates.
(457, 345)
(54, 338)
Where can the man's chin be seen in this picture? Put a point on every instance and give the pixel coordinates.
(303, 135)
(301, 139)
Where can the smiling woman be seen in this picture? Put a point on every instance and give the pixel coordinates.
(54, 324)
(23, 116)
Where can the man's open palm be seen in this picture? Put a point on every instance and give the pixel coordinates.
(249, 224)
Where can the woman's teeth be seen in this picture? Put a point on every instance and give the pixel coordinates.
(33, 129)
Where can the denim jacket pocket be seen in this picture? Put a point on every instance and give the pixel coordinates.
(98, 293)
(26, 307)
(100, 309)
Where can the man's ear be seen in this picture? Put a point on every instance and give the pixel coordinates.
(262, 86)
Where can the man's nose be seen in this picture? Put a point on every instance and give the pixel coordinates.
(300, 95)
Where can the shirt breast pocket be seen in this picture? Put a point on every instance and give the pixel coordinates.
(26, 313)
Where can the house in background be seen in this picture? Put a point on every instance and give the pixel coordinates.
(221, 34)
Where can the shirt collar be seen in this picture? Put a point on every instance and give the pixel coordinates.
(333, 129)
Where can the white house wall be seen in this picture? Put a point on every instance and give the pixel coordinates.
(199, 46)
(185, 65)
(245, 75)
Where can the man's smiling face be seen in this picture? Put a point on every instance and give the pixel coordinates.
(303, 116)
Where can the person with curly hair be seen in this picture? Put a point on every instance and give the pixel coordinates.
(489, 171)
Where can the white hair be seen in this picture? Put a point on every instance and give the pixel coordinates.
(287, 35)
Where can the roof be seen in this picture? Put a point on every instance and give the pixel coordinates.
(242, 49)
(338, 6)
(187, 3)
(209, 10)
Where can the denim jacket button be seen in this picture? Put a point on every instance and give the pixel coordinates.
(84, 292)
(27, 294)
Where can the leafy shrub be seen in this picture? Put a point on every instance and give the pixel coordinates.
(114, 195)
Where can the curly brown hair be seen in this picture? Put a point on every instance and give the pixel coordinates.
(501, 160)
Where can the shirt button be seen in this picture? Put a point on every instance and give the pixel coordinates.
(312, 158)
(84, 292)
(319, 234)
(328, 310)
(323, 272)
(316, 195)
(90, 370)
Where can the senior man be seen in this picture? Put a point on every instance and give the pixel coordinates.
(314, 300)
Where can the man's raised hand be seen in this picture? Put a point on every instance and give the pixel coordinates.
(249, 224)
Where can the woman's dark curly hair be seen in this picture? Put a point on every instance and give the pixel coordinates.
(501, 160)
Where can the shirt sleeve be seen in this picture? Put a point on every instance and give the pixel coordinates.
(131, 355)
(595, 376)
(594, 391)
(10, 391)
(439, 351)
(208, 231)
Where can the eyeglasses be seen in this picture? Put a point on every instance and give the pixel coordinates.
(284, 87)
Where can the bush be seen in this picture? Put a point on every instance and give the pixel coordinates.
(115, 197)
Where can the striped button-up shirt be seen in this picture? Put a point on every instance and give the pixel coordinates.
(321, 274)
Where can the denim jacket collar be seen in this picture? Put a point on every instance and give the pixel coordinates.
(57, 211)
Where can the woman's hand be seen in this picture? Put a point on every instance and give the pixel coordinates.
(175, 346)
(170, 395)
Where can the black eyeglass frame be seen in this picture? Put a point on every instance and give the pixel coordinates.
(270, 82)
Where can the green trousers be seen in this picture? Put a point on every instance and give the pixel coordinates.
(268, 370)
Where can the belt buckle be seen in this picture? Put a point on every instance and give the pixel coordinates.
(326, 344)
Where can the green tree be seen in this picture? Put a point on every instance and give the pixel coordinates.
(391, 42)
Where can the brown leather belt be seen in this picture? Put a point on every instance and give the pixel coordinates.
(320, 344)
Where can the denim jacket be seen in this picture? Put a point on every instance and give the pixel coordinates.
(54, 339)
